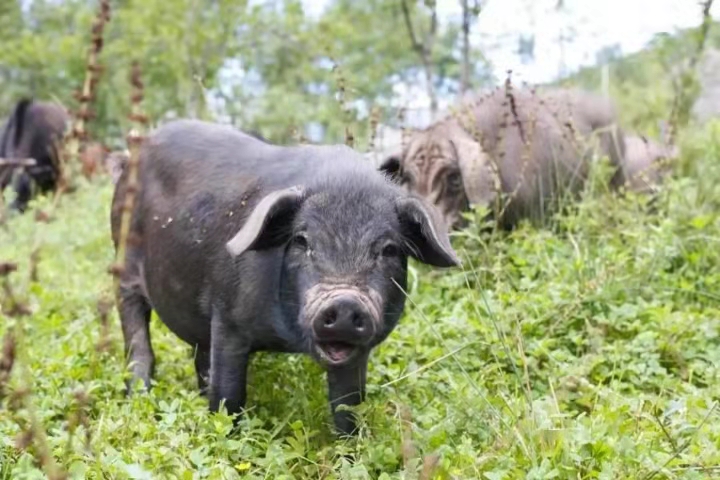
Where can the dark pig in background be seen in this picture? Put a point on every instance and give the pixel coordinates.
(34, 130)
(241, 246)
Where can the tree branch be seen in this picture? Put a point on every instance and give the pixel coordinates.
(417, 46)
(424, 49)
(704, 29)
(432, 33)
(465, 73)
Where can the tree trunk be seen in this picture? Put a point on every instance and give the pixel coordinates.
(424, 50)
(465, 73)
(430, 87)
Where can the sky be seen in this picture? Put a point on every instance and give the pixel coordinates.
(629, 24)
(598, 23)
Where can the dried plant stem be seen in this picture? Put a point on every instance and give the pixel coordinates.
(298, 136)
(374, 121)
(341, 98)
(7, 361)
(404, 132)
(430, 463)
(132, 183)
(14, 354)
(67, 149)
(87, 93)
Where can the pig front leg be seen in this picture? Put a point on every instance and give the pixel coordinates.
(202, 369)
(229, 356)
(346, 385)
(135, 321)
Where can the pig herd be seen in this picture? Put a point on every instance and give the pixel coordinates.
(522, 153)
(241, 245)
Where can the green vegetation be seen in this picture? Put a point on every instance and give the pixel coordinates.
(642, 83)
(588, 350)
(585, 350)
(182, 45)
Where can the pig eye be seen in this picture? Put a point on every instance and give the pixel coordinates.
(454, 181)
(300, 240)
(390, 250)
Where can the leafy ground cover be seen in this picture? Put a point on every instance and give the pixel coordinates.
(586, 350)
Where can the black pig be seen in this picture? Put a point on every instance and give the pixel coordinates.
(243, 246)
(34, 130)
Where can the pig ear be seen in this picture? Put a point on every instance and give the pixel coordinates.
(425, 233)
(115, 163)
(477, 175)
(268, 224)
(391, 167)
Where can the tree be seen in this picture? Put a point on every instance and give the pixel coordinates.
(423, 46)
(469, 12)
(265, 66)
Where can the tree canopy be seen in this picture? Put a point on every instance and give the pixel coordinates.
(264, 65)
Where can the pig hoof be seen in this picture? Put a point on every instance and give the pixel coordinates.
(130, 386)
(345, 427)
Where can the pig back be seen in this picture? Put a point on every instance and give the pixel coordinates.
(536, 157)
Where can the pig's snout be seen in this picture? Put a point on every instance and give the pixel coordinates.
(344, 318)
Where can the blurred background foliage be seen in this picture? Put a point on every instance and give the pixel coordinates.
(269, 65)
(266, 66)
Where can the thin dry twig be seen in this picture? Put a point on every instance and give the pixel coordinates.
(408, 446)
(103, 307)
(374, 121)
(132, 184)
(430, 464)
(341, 82)
(86, 95)
(67, 149)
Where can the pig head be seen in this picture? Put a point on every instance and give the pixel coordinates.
(34, 130)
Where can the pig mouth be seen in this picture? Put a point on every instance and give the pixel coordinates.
(336, 353)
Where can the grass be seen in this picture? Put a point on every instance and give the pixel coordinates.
(589, 350)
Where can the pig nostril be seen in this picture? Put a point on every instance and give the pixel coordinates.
(358, 322)
(330, 318)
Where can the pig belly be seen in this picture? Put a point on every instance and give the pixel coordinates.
(191, 328)
(179, 308)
